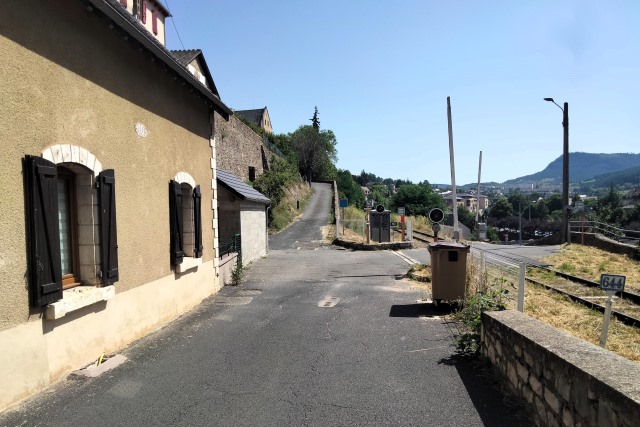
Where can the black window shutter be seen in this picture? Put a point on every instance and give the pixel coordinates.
(175, 221)
(43, 238)
(197, 221)
(108, 233)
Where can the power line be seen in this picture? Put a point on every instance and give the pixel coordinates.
(174, 25)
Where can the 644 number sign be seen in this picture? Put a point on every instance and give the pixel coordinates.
(612, 282)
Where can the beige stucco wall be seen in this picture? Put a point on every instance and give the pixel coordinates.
(69, 80)
(34, 355)
(254, 231)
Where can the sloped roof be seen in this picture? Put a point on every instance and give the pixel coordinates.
(123, 20)
(254, 116)
(240, 188)
(186, 57)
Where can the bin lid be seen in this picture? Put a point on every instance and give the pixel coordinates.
(448, 246)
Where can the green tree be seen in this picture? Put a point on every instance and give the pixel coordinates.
(316, 152)
(380, 193)
(519, 201)
(349, 188)
(554, 203)
(609, 208)
(466, 217)
(417, 199)
(273, 182)
(501, 208)
(633, 215)
(539, 210)
(315, 122)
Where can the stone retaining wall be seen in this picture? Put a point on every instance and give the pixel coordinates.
(600, 242)
(565, 380)
(239, 148)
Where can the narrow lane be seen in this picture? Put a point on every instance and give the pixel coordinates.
(311, 337)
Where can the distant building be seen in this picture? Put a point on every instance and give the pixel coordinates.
(366, 191)
(469, 201)
(150, 14)
(259, 117)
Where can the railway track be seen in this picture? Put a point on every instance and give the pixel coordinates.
(588, 293)
(422, 236)
(578, 289)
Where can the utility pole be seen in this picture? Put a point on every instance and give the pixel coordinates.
(520, 222)
(565, 175)
(478, 193)
(456, 230)
(566, 237)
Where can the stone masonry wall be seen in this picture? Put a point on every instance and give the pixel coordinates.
(608, 245)
(239, 147)
(565, 380)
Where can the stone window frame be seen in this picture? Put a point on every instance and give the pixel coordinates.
(189, 261)
(88, 231)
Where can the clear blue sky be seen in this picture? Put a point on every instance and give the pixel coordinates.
(380, 73)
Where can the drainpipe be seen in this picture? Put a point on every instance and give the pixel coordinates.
(266, 226)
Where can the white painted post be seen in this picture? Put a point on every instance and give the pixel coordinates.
(521, 288)
(607, 318)
(482, 272)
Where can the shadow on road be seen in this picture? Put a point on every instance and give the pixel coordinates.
(480, 383)
(420, 310)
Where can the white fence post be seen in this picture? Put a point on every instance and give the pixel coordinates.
(521, 288)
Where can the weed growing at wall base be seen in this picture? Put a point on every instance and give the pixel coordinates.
(237, 273)
(492, 299)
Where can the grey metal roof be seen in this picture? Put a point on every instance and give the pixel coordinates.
(254, 116)
(240, 188)
(123, 20)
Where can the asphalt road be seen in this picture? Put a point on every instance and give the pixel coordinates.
(530, 255)
(315, 336)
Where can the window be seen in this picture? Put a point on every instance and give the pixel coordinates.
(252, 173)
(143, 12)
(67, 226)
(154, 22)
(185, 223)
(61, 202)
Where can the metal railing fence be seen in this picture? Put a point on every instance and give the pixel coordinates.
(232, 245)
(490, 273)
(607, 230)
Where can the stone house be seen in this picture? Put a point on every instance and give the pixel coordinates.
(242, 211)
(259, 117)
(469, 201)
(108, 179)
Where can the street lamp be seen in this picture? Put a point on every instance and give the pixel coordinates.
(566, 233)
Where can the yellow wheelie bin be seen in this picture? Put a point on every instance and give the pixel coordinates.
(448, 271)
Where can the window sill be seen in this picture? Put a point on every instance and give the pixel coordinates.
(187, 264)
(76, 298)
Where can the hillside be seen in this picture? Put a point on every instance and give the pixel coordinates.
(582, 167)
(622, 179)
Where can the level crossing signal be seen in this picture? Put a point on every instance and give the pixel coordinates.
(436, 215)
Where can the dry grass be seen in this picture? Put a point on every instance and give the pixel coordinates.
(557, 310)
(589, 263)
(582, 322)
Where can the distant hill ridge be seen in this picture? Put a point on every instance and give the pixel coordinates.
(583, 167)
